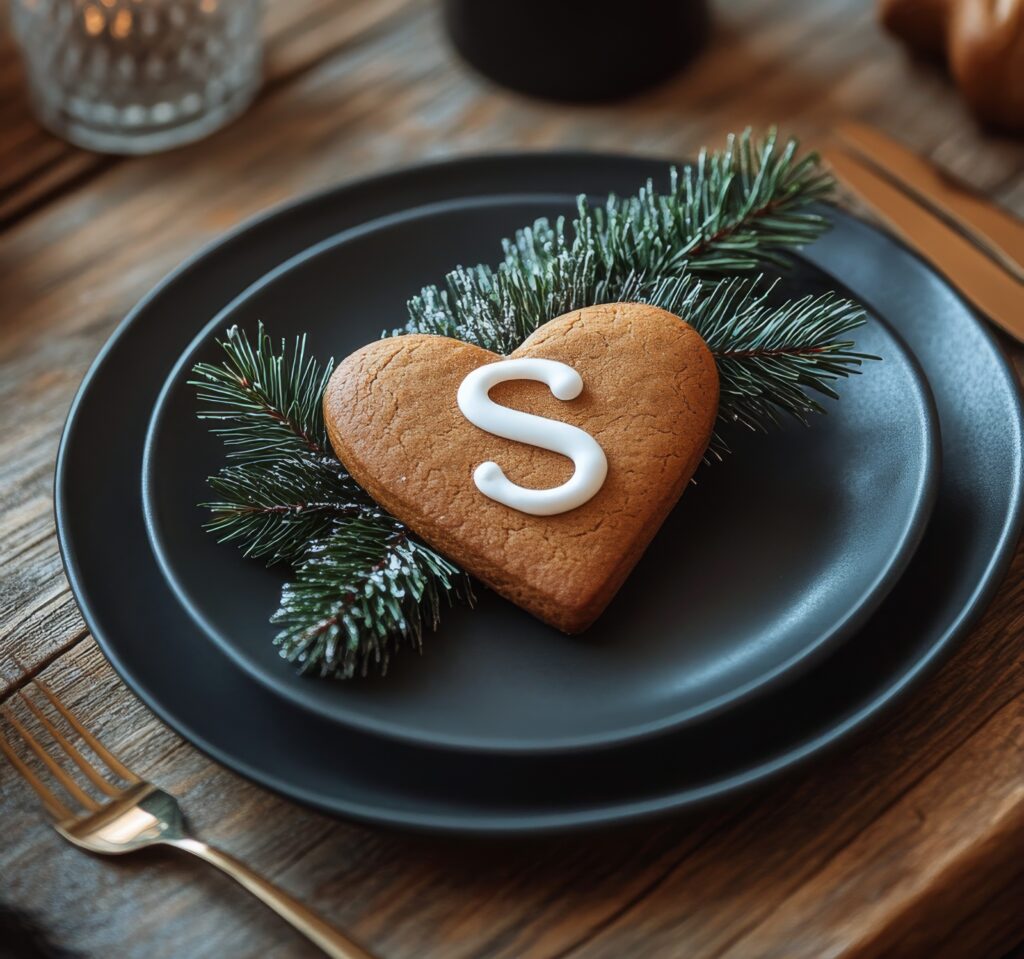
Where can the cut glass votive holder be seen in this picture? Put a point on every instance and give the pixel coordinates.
(138, 76)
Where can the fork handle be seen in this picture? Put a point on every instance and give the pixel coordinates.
(332, 942)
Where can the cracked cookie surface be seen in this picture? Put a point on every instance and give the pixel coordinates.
(650, 398)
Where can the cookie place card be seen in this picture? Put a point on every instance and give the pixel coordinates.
(545, 474)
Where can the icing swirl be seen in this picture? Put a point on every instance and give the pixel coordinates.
(591, 466)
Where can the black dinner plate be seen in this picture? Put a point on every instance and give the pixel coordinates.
(772, 559)
(197, 689)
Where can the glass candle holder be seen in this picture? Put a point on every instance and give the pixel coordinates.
(137, 76)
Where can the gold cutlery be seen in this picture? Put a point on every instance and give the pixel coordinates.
(983, 256)
(997, 232)
(134, 814)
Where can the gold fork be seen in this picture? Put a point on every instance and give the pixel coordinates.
(138, 814)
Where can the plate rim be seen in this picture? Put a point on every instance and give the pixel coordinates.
(859, 612)
(795, 755)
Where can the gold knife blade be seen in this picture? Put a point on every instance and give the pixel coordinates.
(981, 280)
(995, 230)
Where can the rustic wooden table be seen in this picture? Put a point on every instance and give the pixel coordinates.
(909, 843)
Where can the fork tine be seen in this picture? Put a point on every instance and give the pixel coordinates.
(73, 753)
(53, 805)
(113, 764)
(58, 772)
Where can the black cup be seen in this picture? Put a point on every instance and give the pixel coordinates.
(578, 50)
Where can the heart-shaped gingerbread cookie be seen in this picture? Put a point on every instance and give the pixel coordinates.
(649, 400)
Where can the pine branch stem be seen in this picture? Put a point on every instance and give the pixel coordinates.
(726, 231)
(778, 352)
(292, 509)
(279, 416)
(346, 599)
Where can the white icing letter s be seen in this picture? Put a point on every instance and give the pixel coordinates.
(588, 458)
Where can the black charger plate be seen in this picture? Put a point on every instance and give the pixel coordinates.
(196, 689)
(771, 559)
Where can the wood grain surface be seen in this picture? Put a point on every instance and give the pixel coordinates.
(909, 842)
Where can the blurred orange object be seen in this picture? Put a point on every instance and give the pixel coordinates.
(981, 40)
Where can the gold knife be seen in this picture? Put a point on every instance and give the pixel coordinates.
(995, 230)
(981, 279)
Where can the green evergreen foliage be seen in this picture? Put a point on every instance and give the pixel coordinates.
(364, 586)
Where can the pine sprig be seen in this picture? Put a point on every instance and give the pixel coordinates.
(769, 357)
(282, 479)
(273, 510)
(363, 584)
(270, 404)
(360, 593)
(773, 359)
(731, 211)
